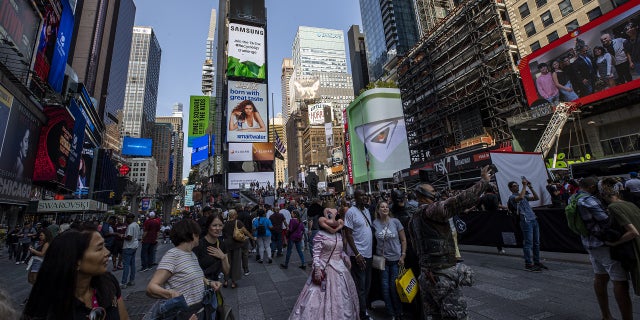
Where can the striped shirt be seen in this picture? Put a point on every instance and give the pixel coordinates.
(186, 275)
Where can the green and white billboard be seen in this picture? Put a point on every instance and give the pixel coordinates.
(198, 117)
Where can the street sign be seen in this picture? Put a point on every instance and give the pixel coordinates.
(124, 169)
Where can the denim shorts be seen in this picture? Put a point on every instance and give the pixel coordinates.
(603, 264)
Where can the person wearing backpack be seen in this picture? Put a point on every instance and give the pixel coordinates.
(262, 231)
(528, 223)
(597, 222)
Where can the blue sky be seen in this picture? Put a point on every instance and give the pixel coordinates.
(181, 28)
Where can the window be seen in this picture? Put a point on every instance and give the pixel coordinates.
(552, 36)
(535, 46)
(547, 19)
(540, 3)
(594, 13)
(530, 29)
(572, 26)
(524, 10)
(565, 7)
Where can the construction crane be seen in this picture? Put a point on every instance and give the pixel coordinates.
(554, 128)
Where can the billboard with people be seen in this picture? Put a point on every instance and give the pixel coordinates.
(595, 61)
(378, 135)
(247, 105)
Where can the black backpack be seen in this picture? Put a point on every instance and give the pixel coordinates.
(261, 229)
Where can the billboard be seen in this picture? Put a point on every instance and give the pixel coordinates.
(188, 195)
(237, 180)
(251, 157)
(48, 37)
(19, 27)
(378, 136)
(306, 88)
(328, 133)
(316, 114)
(248, 10)
(200, 150)
(136, 147)
(337, 157)
(84, 173)
(54, 146)
(579, 66)
(246, 52)
(77, 143)
(247, 104)
(263, 151)
(61, 48)
(240, 152)
(198, 117)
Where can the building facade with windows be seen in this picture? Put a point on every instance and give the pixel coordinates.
(144, 172)
(537, 23)
(141, 93)
(177, 141)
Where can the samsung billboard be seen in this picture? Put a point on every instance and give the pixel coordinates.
(246, 58)
(140, 147)
(593, 62)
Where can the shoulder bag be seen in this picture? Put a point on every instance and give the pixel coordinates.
(238, 235)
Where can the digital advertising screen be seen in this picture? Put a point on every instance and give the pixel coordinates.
(140, 147)
(593, 62)
(61, 49)
(198, 117)
(240, 152)
(377, 131)
(237, 180)
(77, 143)
(48, 36)
(54, 146)
(247, 112)
(251, 157)
(248, 10)
(200, 151)
(19, 27)
(246, 52)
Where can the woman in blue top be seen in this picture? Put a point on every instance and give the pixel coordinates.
(262, 231)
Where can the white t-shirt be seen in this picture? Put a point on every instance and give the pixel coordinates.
(362, 236)
(133, 230)
(186, 275)
(287, 217)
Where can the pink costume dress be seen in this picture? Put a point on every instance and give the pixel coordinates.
(339, 298)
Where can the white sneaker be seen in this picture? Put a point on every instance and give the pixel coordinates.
(502, 252)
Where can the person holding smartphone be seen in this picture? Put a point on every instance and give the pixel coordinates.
(528, 223)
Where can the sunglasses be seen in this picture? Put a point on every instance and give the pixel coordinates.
(97, 313)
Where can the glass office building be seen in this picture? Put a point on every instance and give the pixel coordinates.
(319, 50)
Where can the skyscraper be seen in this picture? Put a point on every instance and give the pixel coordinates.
(358, 58)
(390, 28)
(208, 69)
(318, 50)
(177, 141)
(287, 72)
(162, 151)
(429, 13)
(141, 92)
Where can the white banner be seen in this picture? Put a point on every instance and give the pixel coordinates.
(328, 133)
(238, 179)
(240, 152)
(513, 166)
(316, 114)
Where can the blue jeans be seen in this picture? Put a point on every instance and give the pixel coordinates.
(129, 265)
(531, 240)
(147, 255)
(389, 293)
(276, 241)
(362, 279)
(298, 245)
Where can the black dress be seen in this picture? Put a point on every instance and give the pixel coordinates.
(211, 266)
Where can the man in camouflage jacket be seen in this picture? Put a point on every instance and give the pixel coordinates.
(441, 277)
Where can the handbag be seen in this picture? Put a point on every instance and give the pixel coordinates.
(238, 235)
(167, 309)
(406, 285)
(323, 273)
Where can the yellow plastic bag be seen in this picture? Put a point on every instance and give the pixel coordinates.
(406, 285)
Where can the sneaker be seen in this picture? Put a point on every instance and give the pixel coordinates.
(270, 261)
(17, 262)
(532, 268)
(502, 252)
(131, 284)
(246, 273)
(541, 266)
(283, 266)
(123, 286)
(260, 261)
(303, 267)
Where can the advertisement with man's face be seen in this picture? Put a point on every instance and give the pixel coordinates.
(376, 121)
(54, 146)
(18, 31)
(247, 105)
(246, 52)
(18, 154)
(598, 60)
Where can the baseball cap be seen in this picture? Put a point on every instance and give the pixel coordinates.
(152, 214)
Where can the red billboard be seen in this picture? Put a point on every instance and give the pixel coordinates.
(595, 61)
(54, 146)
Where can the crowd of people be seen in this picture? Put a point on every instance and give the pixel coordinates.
(589, 68)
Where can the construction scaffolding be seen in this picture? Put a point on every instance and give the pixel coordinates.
(460, 82)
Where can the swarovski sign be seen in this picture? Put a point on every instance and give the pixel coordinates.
(76, 205)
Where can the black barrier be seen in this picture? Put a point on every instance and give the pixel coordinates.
(486, 229)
